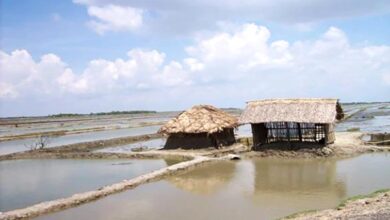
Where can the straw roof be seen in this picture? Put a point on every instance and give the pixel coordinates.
(292, 110)
(200, 119)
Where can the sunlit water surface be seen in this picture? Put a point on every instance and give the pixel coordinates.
(247, 189)
(26, 182)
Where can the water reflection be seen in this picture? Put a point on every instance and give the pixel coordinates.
(248, 189)
(206, 179)
(289, 185)
(25, 182)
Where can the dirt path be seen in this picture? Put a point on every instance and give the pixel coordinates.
(374, 206)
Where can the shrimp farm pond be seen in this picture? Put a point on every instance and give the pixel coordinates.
(116, 167)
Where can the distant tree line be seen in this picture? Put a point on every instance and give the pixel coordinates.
(102, 113)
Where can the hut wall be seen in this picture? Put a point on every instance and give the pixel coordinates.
(292, 132)
(200, 140)
(225, 138)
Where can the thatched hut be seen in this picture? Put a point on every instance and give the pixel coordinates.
(292, 120)
(201, 126)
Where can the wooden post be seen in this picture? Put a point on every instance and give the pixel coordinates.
(288, 134)
(255, 137)
(288, 131)
(299, 132)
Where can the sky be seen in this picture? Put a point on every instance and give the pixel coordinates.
(85, 56)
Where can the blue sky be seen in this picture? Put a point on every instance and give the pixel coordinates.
(102, 55)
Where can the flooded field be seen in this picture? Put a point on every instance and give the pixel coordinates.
(26, 182)
(248, 189)
(17, 126)
(7, 147)
(367, 118)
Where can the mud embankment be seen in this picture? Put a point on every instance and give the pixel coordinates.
(373, 206)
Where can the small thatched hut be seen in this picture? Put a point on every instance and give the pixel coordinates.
(201, 126)
(292, 120)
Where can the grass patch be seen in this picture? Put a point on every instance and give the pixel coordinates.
(353, 129)
(341, 205)
(357, 197)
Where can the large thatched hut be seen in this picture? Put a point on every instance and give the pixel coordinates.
(201, 126)
(292, 120)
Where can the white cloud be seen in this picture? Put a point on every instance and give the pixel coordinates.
(182, 17)
(226, 69)
(115, 18)
(386, 78)
(7, 91)
(193, 64)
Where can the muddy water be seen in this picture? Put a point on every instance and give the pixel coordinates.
(26, 182)
(248, 189)
(7, 147)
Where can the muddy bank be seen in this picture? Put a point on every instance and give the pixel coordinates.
(347, 144)
(373, 206)
(104, 155)
(80, 198)
(79, 147)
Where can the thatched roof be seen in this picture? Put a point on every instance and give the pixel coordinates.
(292, 110)
(200, 119)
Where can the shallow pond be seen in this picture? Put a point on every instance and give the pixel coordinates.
(7, 147)
(247, 189)
(149, 145)
(26, 182)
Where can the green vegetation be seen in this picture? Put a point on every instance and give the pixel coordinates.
(64, 115)
(123, 112)
(102, 113)
(353, 129)
(341, 205)
(354, 198)
(385, 107)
